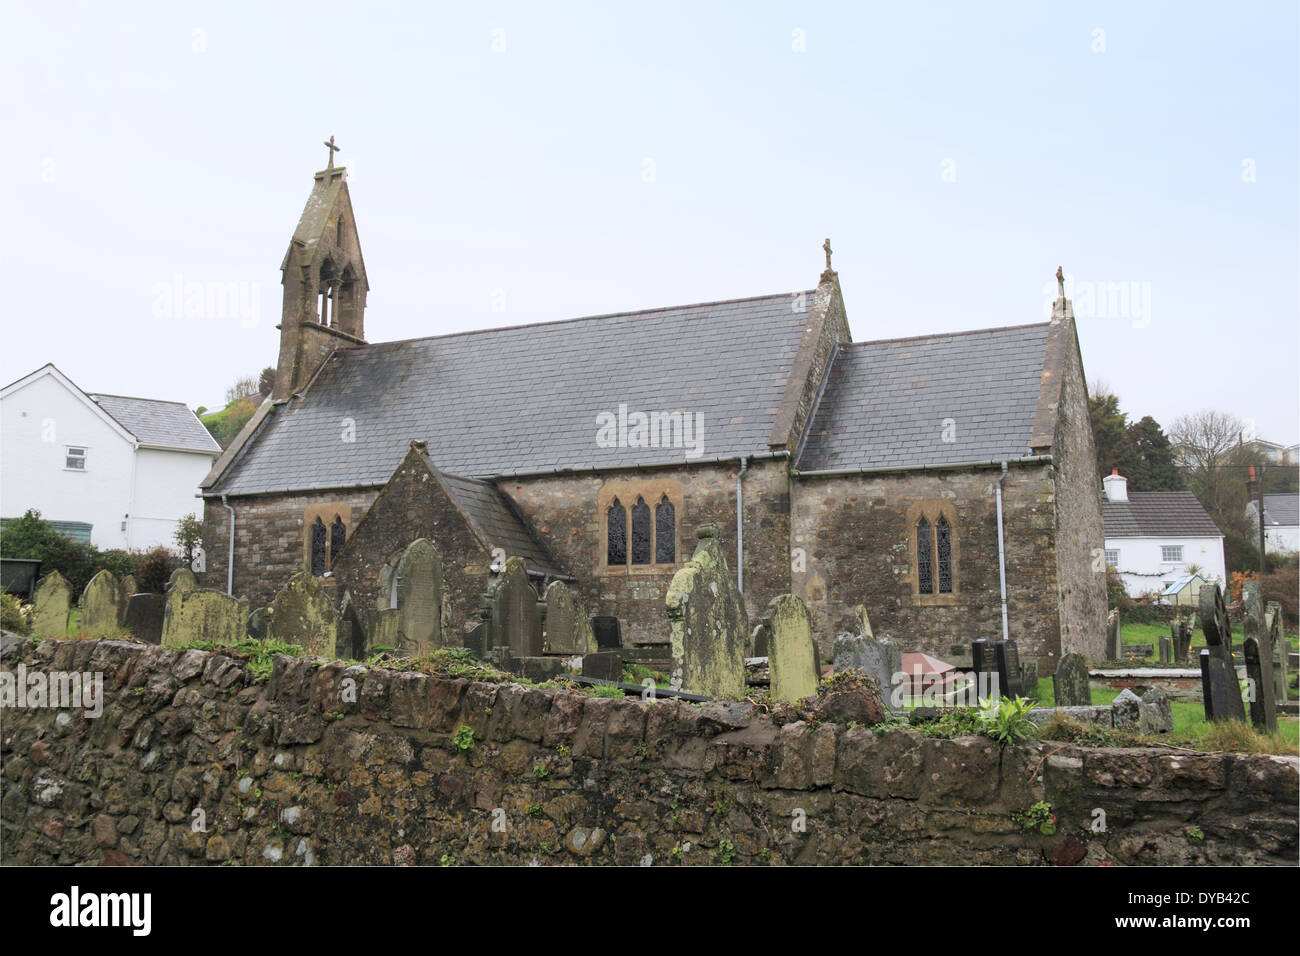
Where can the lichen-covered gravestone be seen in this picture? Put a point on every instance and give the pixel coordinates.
(1070, 683)
(1273, 627)
(182, 579)
(792, 653)
(418, 587)
(129, 586)
(708, 626)
(102, 604)
(877, 657)
(515, 623)
(302, 614)
(1220, 690)
(1258, 653)
(203, 615)
(51, 604)
(568, 629)
(144, 617)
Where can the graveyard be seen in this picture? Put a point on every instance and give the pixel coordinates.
(316, 730)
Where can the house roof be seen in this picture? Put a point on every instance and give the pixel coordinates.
(886, 403)
(1282, 510)
(158, 423)
(1157, 514)
(526, 399)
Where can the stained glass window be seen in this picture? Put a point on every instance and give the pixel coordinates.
(665, 532)
(640, 532)
(924, 569)
(616, 521)
(943, 534)
(318, 536)
(338, 537)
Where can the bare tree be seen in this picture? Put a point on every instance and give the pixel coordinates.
(1208, 444)
(243, 388)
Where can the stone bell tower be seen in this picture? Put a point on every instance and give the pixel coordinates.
(324, 278)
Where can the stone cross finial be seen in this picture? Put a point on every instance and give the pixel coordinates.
(1060, 280)
(333, 149)
(827, 246)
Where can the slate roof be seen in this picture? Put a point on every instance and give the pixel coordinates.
(1282, 510)
(525, 400)
(499, 522)
(158, 423)
(1157, 514)
(885, 403)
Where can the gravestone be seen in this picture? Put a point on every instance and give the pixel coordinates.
(514, 620)
(1220, 689)
(1181, 631)
(129, 586)
(1138, 652)
(603, 665)
(102, 605)
(1114, 642)
(352, 633)
(51, 604)
(200, 614)
(182, 579)
(144, 617)
(259, 624)
(759, 640)
(302, 614)
(792, 653)
(1166, 650)
(1008, 661)
(1149, 713)
(418, 588)
(475, 640)
(1273, 627)
(568, 629)
(1070, 683)
(984, 663)
(708, 626)
(381, 627)
(1029, 677)
(609, 635)
(1259, 682)
(880, 659)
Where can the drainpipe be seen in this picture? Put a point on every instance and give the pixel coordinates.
(740, 527)
(230, 557)
(1002, 554)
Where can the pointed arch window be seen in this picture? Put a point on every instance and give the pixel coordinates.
(640, 532)
(935, 552)
(338, 538)
(616, 533)
(924, 565)
(318, 555)
(943, 552)
(665, 532)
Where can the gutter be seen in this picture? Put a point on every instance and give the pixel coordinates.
(944, 466)
(1002, 555)
(740, 526)
(230, 557)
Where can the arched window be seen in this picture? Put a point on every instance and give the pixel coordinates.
(924, 566)
(640, 532)
(616, 533)
(318, 538)
(665, 532)
(943, 534)
(338, 538)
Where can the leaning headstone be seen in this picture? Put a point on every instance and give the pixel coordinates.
(1070, 683)
(203, 615)
(708, 626)
(1008, 660)
(1166, 650)
(51, 604)
(514, 619)
(792, 653)
(1220, 689)
(144, 617)
(568, 629)
(182, 579)
(1273, 627)
(1114, 642)
(102, 604)
(878, 658)
(419, 588)
(302, 614)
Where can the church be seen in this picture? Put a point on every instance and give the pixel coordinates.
(945, 482)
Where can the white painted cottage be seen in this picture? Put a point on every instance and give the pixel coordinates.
(1281, 522)
(1154, 538)
(117, 472)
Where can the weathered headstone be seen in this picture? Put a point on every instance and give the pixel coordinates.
(792, 653)
(102, 605)
(1070, 683)
(1029, 677)
(1273, 627)
(1181, 631)
(182, 579)
(707, 623)
(259, 624)
(475, 639)
(608, 634)
(203, 615)
(603, 665)
(129, 586)
(144, 617)
(418, 588)
(984, 663)
(1147, 714)
(352, 633)
(514, 619)
(51, 604)
(302, 614)
(568, 629)
(1166, 650)
(381, 627)
(880, 659)
(1220, 689)
(1138, 652)
(759, 640)
(1114, 642)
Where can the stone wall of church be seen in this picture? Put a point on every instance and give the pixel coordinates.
(270, 540)
(568, 513)
(854, 542)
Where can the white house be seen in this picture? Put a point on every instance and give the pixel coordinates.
(1281, 522)
(119, 472)
(1153, 538)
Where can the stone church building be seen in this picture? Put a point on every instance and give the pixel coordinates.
(845, 472)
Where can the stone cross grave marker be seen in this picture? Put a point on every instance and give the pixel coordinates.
(1071, 684)
(102, 604)
(792, 653)
(708, 626)
(1220, 690)
(51, 604)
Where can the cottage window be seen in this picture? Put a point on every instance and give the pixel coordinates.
(1171, 553)
(75, 459)
(1112, 558)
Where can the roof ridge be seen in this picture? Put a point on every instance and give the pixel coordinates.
(138, 398)
(941, 335)
(581, 318)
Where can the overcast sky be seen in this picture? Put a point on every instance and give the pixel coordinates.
(514, 163)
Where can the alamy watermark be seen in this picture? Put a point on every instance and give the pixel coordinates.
(651, 430)
(59, 690)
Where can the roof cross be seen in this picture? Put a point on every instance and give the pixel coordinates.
(333, 149)
(827, 246)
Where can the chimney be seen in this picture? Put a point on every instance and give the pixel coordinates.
(1116, 486)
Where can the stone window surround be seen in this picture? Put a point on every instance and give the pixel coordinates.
(931, 509)
(326, 513)
(627, 491)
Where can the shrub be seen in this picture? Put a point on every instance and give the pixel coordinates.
(31, 537)
(120, 563)
(14, 615)
(155, 569)
(1283, 586)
